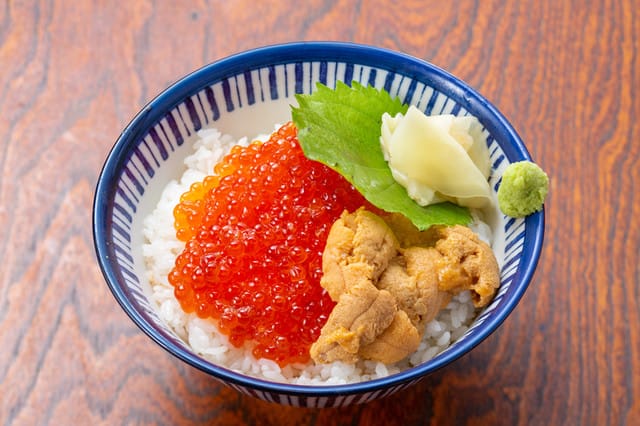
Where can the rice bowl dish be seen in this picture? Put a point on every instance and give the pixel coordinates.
(243, 96)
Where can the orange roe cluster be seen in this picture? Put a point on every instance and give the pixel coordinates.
(255, 232)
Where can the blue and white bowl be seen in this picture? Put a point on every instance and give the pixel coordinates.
(245, 95)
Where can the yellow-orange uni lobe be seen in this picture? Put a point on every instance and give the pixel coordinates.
(255, 232)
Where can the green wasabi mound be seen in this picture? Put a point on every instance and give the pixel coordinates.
(523, 189)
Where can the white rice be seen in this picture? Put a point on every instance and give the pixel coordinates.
(162, 247)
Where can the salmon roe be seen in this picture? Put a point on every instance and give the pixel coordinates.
(255, 232)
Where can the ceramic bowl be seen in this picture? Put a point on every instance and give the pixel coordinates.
(244, 95)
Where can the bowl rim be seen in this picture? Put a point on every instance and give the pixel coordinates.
(361, 54)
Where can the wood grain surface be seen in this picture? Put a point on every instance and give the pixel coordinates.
(565, 73)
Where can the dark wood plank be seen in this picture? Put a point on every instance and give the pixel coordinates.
(566, 74)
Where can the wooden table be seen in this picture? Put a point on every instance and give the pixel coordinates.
(565, 73)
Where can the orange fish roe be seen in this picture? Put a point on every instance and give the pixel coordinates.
(255, 233)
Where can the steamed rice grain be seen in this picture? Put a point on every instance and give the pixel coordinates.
(162, 247)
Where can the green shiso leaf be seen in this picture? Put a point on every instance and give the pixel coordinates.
(341, 128)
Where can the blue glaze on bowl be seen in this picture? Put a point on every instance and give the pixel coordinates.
(246, 94)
